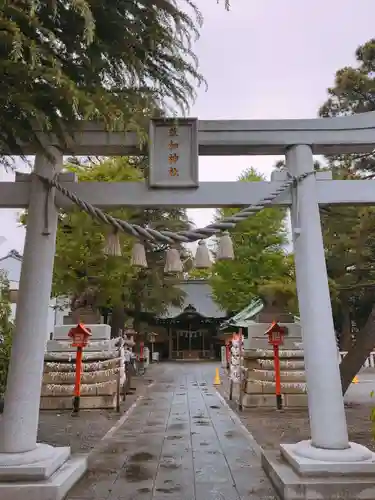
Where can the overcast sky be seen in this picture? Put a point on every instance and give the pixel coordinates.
(263, 59)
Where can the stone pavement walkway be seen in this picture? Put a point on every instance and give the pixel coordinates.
(180, 442)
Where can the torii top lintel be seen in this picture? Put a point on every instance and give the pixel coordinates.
(349, 134)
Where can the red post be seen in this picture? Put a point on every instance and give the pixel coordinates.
(276, 338)
(77, 385)
(276, 360)
(240, 396)
(80, 336)
(141, 347)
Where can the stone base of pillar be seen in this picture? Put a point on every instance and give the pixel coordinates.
(306, 459)
(46, 473)
(330, 474)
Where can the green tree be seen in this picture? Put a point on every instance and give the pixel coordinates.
(353, 92)
(261, 265)
(113, 60)
(6, 329)
(349, 232)
(349, 240)
(82, 269)
(195, 273)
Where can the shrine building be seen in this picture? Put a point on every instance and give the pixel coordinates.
(189, 332)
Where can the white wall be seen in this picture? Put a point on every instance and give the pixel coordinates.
(12, 267)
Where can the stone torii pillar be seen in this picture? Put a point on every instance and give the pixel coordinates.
(21, 458)
(329, 446)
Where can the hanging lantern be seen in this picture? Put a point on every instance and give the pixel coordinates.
(139, 255)
(202, 256)
(225, 247)
(112, 245)
(173, 262)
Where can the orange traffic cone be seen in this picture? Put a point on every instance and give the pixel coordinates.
(217, 380)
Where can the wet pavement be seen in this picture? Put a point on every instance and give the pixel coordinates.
(180, 442)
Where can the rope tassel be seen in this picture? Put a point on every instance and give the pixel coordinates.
(202, 256)
(112, 245)
(173, 262)
(225, 248)
(139, 256)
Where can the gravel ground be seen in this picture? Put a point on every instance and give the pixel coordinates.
(82, 433)
(271, 427)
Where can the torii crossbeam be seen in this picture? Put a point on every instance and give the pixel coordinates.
(354, 134)
(108, 195)
(329, 450)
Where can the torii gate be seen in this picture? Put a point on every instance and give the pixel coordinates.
(329, 450)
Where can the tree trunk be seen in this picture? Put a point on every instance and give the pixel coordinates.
(137, 322)
(117, 320)
(137, 312)
(357, 355)
(346, 334)
(104, 311)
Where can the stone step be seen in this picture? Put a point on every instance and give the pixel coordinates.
(98, 331)
(285, 376)
(285, 364)
(55, 366)
(68, 357)
(268, 387)
(92, 377)
(269, 364)
(86, 402)
(55, 487)
(268, 353)
(102, 389)
(262, 343)
(291, 485)
(258, 330)
(66, 346)
(269, 401)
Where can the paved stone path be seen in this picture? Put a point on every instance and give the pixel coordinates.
(180, 442)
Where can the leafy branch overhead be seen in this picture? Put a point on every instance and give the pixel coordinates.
(113, 60)
(354, 92)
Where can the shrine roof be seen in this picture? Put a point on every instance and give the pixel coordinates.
(245, 317)
(199, 297)
(13, 254)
